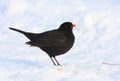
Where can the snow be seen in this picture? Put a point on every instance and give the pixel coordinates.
(97, 41)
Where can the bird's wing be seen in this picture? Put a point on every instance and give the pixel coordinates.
(49, 39)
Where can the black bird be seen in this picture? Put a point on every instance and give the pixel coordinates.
(54, 42)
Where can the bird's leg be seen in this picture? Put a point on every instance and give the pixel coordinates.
(56, 61)
(52, 60)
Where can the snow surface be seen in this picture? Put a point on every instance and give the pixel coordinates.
(97, 40)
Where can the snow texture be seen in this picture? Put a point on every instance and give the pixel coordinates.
(97, 41)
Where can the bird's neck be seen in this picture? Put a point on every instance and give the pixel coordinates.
(68, 33)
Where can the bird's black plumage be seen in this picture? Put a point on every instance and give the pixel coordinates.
(54, 42)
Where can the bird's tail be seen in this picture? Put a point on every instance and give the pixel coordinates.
(17, 30)
(31, 36)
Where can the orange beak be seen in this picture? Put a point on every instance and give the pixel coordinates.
(73, 25)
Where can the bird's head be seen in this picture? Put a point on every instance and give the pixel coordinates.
(67, 26)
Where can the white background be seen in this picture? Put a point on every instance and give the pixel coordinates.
(97, 35)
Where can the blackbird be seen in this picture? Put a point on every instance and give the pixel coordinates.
(53, 42)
